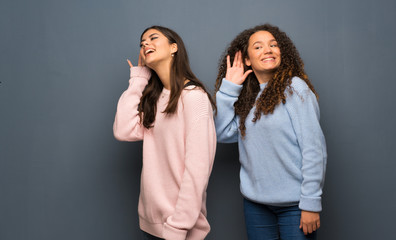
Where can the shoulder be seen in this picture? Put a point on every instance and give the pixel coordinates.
(299, 90)
(195, 101)
(298, 85)
(193, 94)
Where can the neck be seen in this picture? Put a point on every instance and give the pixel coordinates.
(264, 77)
(163, 72)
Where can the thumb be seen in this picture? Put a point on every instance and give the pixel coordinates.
(246, 74)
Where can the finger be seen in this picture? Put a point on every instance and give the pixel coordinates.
(140, 60)
(305, 229)
(237, 61)
(314, 227)
(228, 62)
(129, 62)
(318, 224)
(309, 228)
(234, 63)
(240, 59)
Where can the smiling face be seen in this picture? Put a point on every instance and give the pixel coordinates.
(263, 53)
(155, 48)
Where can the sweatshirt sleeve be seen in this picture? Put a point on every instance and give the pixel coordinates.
(304, 111)
(127, 125)
(200, 140)
(226, 121)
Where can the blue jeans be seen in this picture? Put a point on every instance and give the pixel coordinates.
(265, 222)
(147, 236)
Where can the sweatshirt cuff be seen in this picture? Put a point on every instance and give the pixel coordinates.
(230, 88)
(312, 204)
(143, 72)
(172, 233)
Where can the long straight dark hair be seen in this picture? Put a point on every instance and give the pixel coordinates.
(179, 72)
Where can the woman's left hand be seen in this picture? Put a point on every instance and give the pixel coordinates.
(310, 221)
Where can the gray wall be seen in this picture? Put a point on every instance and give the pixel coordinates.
(63, 68)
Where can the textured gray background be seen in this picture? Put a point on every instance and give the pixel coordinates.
(63, 68)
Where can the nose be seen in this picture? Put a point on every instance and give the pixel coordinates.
(267, 50)
(144, 44)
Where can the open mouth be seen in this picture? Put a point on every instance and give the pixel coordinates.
(268, 59)
(148, 51)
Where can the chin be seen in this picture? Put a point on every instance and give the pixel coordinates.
(270, 68)
(149, 64)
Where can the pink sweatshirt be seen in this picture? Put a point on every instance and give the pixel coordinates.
(178, 155)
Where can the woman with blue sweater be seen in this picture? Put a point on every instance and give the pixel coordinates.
(267, 104)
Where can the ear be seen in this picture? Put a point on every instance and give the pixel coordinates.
(173, 47)
(247, 62)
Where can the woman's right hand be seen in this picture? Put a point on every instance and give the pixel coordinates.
(140, 61)
(235, 73)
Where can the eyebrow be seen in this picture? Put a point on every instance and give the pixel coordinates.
(149, 36)
(272, 40)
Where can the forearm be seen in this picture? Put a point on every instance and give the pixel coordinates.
(127, 126)
(225, 119)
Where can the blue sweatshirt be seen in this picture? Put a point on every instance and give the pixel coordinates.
(283, 155)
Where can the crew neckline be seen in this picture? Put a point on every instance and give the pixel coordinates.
(165, 91)
(262, 85)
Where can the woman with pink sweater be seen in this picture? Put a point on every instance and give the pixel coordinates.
(168, 108)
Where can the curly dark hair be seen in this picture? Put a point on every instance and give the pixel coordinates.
(274, 93)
